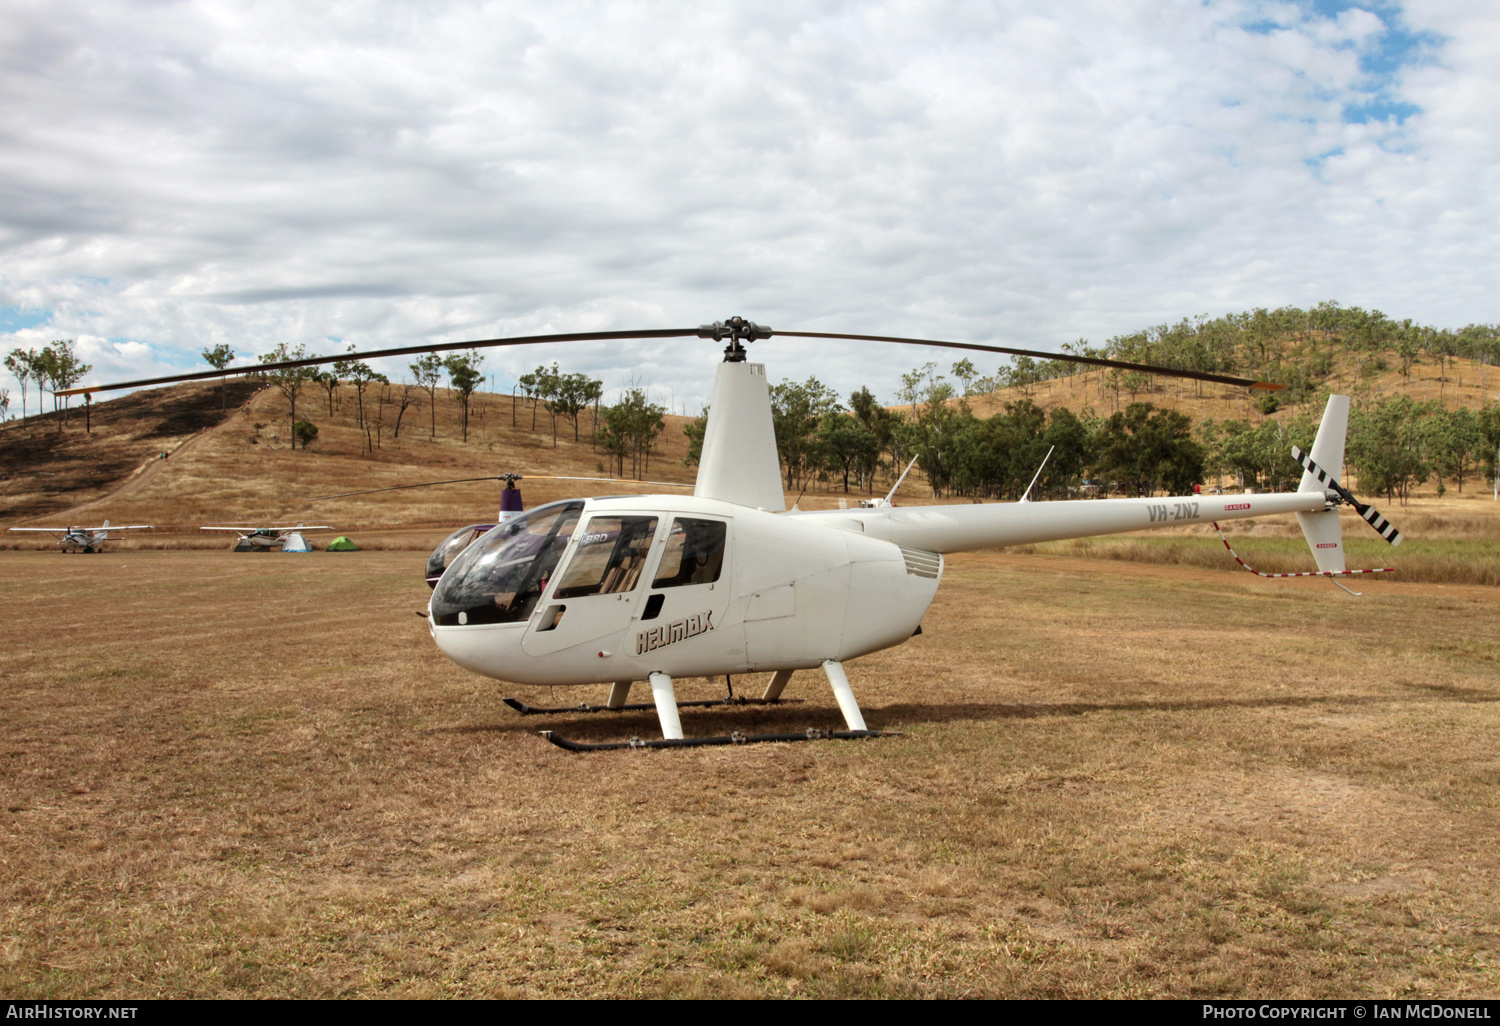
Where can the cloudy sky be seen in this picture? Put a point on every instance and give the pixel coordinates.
(175, 175)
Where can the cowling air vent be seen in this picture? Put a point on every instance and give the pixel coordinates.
(920, 563)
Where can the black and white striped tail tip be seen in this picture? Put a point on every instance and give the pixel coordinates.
(1324, 478)
(1383, 527)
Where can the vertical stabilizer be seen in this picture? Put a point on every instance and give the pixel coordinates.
(1322, 529)
(739, 462)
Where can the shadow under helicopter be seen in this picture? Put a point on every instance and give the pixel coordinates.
(790, 718)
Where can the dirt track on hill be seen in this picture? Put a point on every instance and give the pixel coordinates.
(143, 474)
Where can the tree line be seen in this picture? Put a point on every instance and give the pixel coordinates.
(1288, 344)
(53, 368)
(626, 433)
(1394, 444)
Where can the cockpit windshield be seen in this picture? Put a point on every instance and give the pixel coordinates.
(499, 578)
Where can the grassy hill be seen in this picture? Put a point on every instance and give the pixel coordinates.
(1460, 382)
(238, 466)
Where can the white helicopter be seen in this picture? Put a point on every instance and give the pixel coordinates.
(84, 539)
(271, 539)
(622, 589)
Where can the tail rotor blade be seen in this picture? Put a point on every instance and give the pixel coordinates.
(1324, 478)
(1383, 527)
(1370, 514)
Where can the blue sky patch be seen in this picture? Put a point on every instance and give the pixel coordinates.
(17, 318)
(1381, 58)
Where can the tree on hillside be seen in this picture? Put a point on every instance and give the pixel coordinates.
(796, 411)
(1387, 445)
(1489, 442)
(403, 402)
(1453, 440)
(305, 431)
(21, 363)
(218, 358)
(1145, 448)
(63, 369)
(571, 395)
(846, 446)
(361, 375)
(881, 423)
(695, 430)
(539, 385)
(4, 402)
(289, 381)
(631, 427)
(427, 371)
(1023, 374)
(464, 377)
(965, 371)
(329, 382)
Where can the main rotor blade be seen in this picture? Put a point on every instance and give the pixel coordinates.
(699, 332)
(1222, 379)
(375, 354)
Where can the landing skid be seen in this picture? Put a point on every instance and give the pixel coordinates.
(583, 707)
(735, 738)
(665, 703)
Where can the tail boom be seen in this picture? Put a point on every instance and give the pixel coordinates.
(948, 529)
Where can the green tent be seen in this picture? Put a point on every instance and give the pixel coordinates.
(342, 544)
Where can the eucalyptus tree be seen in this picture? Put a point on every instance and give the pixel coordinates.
(1388, 445)
(796, 411)
(289, 381)
(218, 358)
(361, 375)
(571, 395)
(464, 377)
(1453, 440)
(965, 371)
(1489, 443)
(539, 385)
(403, 402)
(846, 445)
(329, 382)
(427, 371)
(631, 427)
(62, 370)
(22, 363)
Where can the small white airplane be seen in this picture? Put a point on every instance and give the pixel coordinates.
(271, 539)
(84, 539)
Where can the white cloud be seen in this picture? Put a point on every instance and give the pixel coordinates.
(189, 174)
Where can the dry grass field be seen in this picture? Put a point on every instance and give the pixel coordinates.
(235, 776)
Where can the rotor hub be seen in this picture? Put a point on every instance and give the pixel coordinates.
(738, 331)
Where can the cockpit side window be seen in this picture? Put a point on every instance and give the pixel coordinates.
(610, 555)
(694, 553)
